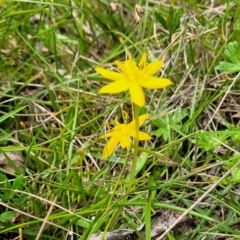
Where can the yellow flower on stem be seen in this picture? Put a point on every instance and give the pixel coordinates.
(133, 78)
(121, 133)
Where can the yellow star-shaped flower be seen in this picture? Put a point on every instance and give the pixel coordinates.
(122, 133)
(133, 78)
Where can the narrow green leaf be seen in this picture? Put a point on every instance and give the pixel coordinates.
(177, 19)
(10, 114)
(170, 236)
(161, 20)
(170, 18)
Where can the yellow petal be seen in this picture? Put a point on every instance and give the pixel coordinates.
(136, 94)
(131, 67)
(125, 141)
(132, 132)
(144, 136)
(106, 135)
(143, 61)
(152, 68)
(120, 66)
(115, 87)
(141, 120)
(110, 146)
(141, 135)
(154, 82)
(108, 74)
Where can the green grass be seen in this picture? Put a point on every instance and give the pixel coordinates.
(50, 110)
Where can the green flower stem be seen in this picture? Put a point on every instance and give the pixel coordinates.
(116, 214)
(118, 211)
(135, 146)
